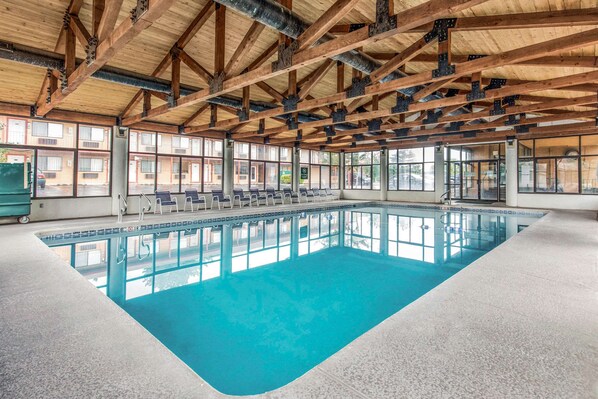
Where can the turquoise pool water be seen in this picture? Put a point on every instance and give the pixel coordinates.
(253, 305)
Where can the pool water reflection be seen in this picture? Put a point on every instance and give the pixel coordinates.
(254, 305)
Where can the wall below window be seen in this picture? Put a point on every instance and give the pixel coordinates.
(69, 208)
(558, 201)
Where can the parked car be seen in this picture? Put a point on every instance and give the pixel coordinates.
(41, 179)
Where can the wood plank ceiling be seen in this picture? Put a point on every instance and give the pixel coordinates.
(142, 49)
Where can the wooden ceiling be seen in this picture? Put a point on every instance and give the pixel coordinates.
(141, 49)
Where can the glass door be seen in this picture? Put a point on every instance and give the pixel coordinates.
(471, 189)
(488, 183)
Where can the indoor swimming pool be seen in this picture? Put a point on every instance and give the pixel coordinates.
(253, 304)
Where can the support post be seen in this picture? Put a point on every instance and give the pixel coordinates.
(511, 172)
(384, 174)
(296, 169)
(439, 187)
(120, 169)
(228, 167)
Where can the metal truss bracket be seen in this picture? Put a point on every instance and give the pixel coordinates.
(451, 92)
(290, 103)
(217, 82)
(66, 20)
(171, 100)
(472, 57)
(181, 129)
(285, 56)
(358, 137)
(524, 128)
(513, 120)
(358, 87)
(212, 120)
(470, 135)
(422, 138)
(338, 115)
(497, 108)
(381, 142)
(444, 69)
(354, 27)
(353, 145)
(402, 105)
(476, 93)
(261, 127)
(322, 147)
(243, 115)
(330, 131)
(33, 111)
(384, 21)
(441, 26)
(299, 136)
(454, 126)
(228, 135)
(266, 140)
(432, 116)
(374, 125)
(328, 140)
(91, 50)
(139, 10)
(292, 123)
(509, 101)
(496, 83)
(403, 132)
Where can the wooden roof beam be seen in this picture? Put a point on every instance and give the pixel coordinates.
(463, 69)
(580, 61)
(514, 110)
(461, 99)
(109, 18)
(544, 19)
(198, 22)
(410, 18)
(322, 25)
(118, 39)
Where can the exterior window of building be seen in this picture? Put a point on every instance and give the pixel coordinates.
(559, 165)
(362, 170)
(167, 162)
(322, 167)
(262, 166)
(411, 169)
(62, 164)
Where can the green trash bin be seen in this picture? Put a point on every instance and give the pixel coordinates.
(15, 191)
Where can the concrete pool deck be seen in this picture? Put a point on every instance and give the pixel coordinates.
(522, 321)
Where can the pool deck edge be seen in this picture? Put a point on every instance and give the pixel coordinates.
(521, 321)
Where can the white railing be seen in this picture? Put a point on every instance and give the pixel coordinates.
(143, 209)
(122, 207)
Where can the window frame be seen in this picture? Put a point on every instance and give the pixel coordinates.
(157, 155)
(75, 149)
(534, 159)
(349, 166)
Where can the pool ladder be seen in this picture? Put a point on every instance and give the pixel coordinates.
(122, 207)
(143, 209)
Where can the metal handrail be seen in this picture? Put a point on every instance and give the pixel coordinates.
(142, 209)
(122, 209)
(448, 196)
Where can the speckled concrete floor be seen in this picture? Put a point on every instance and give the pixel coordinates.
(521, 321)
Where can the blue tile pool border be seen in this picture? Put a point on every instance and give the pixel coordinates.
(108, 232)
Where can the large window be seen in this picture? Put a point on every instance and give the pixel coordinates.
(68, 160)
(262, 166)
(322, 169)
(167, 162)
(362, 170)
(411, 169)
(560, 165)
